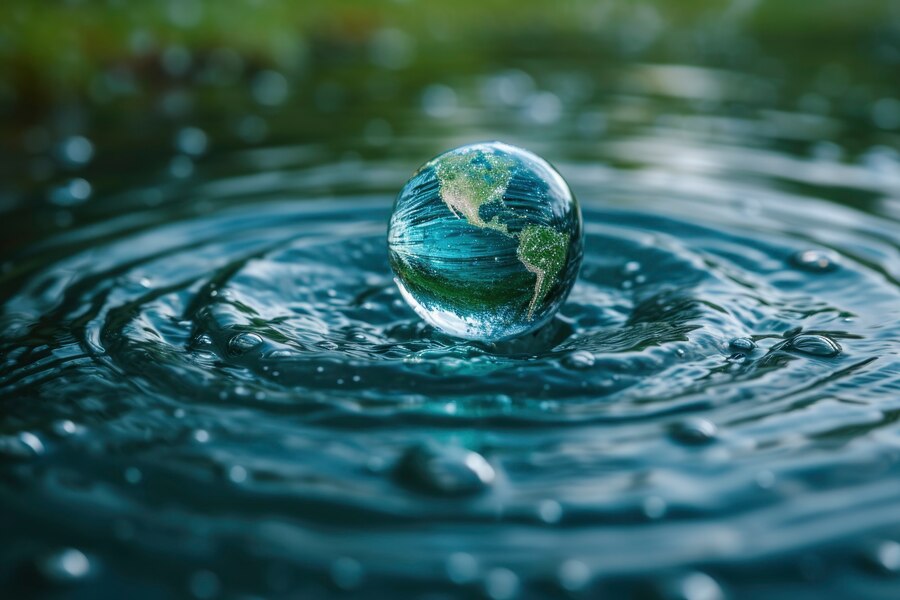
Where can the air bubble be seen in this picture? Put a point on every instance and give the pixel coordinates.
(573, 575)
(461, 568)
(445, 470)
(68, 565)
(694, 431)
(742, 344)
(243, 343)
(814, 345)
(501, 584)
(815, 261)
(581, 359)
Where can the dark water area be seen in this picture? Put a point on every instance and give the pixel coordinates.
(210, 386)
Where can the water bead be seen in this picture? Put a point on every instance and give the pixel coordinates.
(486, 241)
(445, 470)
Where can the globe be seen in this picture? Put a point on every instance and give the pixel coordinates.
(485, 241)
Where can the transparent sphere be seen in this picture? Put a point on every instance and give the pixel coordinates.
(486, 241)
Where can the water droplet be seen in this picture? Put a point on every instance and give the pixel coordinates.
(204, 585)
(814, 345)
(65, 428)
(447, 470)
(581, 359)
(654, 507)
(76, 151)
(631, 267)
(699, 586)
(815, 261)
(501, 584)
(201, 436)
(346, 573)
(573, 575)
(694, 431)
(237, 474)
(550, 511)
(742, 344)
(243, 343)
(133, 475)
(462, 568)
(23, 446)
(192, 141)
(886, 557)
(65, 566)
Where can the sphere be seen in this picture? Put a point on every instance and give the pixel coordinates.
(485, 241)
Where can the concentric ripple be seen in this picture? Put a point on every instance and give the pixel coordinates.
(719, 395)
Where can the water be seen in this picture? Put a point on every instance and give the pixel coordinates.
(211, 386)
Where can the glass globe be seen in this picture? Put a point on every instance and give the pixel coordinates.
(485, 241)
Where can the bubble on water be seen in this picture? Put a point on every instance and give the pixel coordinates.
(65, 428)
(72, 193)
(461, 568)
(191, 140)
(439, 101)
(815, 261)
(346, 573)
(204, 584)
(654, 507)
(269, 88)
(573, 575)
(201, 436)
(22, 446)
(68, 565)
(742, 344)
(181, 167)
(76, 151)
(582, 359)
(237, 474)
(814, 345)
(501, 584)
(243, 342)
(445, 470)
(694, 431)
(550, 511)
(697, 586)
(133, 475)
(884, 557)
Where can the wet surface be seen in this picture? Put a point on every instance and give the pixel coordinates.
(211, 386)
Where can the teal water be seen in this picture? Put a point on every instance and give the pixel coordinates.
(211, 386)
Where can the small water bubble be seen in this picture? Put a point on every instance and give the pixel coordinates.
(581, 359)
(74, 192)
(68, 565)
(573, 575)
(742, 344)
(550, 511)
(654, 507)
(204, 584)
(237, 474)
(201, 436)
(243, 343)
(886, 557)
(815, 261)
(461, 568)
(133, 475)
(698, 586)
(269, 88)
(192, 141)
(445, 470)
(76, 151)
(501, 584)
(23, 446)
(814, 345)
(65, 428)
(694, 431)
(631, 267)
(346, 573)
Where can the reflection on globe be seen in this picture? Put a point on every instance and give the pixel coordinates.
(486, 241)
